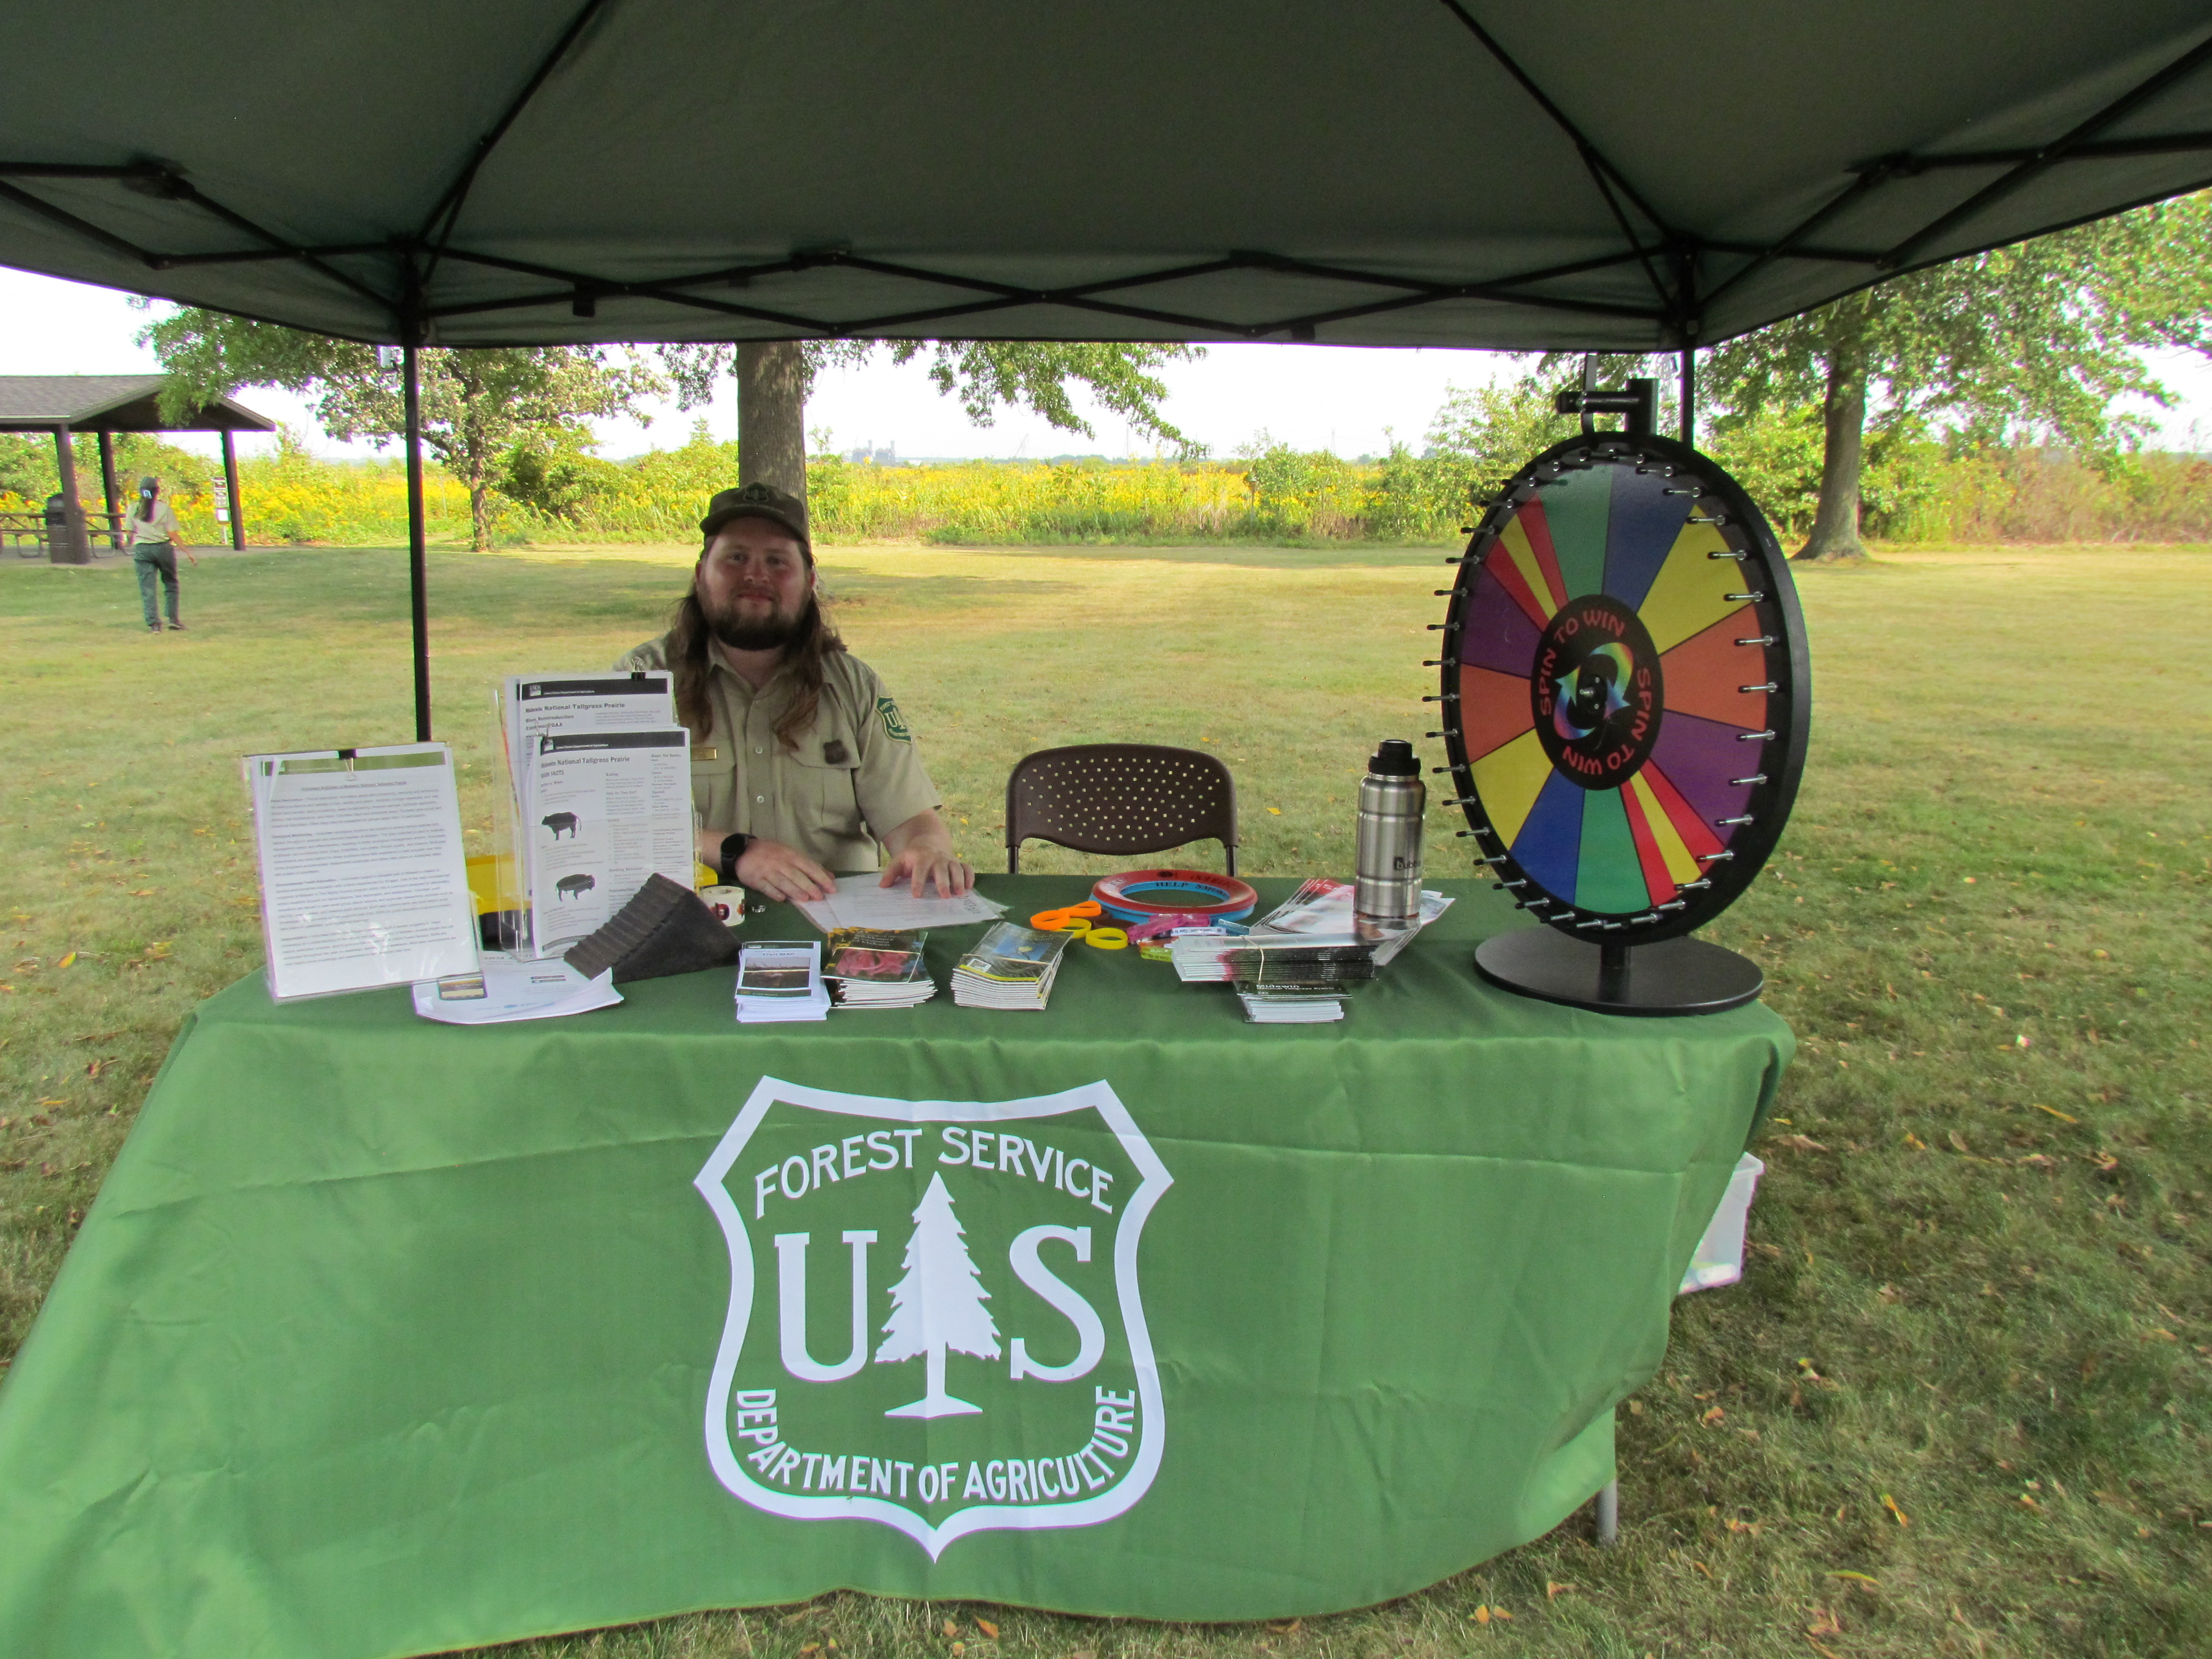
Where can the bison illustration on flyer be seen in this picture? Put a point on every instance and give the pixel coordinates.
(934, 1317)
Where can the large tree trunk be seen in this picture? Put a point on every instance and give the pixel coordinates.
(479, 515)
(1843, 413)
(772, 415)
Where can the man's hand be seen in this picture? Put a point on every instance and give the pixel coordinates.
(923, 856)
(778, 871)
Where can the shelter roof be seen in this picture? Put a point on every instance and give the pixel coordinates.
(111, 403)
(1464, 172)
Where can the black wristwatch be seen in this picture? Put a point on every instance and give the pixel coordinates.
(725, 865)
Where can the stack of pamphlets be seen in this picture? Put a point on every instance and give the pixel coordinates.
(599, 791)
(781, 979)
(878, 968)
(1296, 962)
(1281, 1008)
(1012, 967)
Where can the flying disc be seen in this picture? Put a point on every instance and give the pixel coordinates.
(1134, 896)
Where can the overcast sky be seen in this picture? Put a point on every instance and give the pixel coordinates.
(1333, 398)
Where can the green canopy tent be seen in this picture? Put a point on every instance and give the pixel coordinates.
(1436, 172)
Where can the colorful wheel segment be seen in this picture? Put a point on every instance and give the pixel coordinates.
(1624, 687)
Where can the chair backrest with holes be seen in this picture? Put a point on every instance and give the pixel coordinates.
(1120, 798)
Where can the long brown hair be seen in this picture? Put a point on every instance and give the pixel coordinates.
(691, 637)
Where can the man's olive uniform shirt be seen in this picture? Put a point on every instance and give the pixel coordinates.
(854, 777)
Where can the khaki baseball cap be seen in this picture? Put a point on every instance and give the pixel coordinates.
(758, 501)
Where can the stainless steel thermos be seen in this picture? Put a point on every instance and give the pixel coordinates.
(1388, 866)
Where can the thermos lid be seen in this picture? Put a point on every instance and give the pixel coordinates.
(1393, 758)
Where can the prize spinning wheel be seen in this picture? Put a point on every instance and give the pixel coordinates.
(1625, 698)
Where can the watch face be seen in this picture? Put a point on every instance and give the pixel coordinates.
(1624, 687)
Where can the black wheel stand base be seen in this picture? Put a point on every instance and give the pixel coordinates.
(1674, 976)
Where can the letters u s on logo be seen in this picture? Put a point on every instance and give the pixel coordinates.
(934, 1319)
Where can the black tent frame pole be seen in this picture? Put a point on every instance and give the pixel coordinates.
(230, 489)
(1689, 396)
(418, 563)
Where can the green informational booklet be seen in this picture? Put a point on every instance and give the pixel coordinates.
(1011, 967)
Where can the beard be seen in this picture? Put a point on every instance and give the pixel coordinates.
(769, 632)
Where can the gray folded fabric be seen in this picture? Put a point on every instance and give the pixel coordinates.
(664, 929)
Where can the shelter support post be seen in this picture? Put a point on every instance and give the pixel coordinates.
(418, 562)
(1608, 1513)
(1689, 396)
(79, 550)
(230, 489)
(107, 487)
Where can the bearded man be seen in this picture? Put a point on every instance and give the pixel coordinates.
(800, 762)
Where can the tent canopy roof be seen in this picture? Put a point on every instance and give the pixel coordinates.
(110, 402)
(1453, 173)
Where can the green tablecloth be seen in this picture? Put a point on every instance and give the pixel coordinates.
(387, 1336)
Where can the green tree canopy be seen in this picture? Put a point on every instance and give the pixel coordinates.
(478, 405)
(2041, 337)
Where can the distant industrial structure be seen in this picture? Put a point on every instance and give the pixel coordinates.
(868, 455)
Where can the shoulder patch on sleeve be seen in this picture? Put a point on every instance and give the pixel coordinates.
(894, 722)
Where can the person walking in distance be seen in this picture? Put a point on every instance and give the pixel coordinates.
(154, 540)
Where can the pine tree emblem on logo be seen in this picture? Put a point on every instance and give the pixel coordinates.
(1037, 1402)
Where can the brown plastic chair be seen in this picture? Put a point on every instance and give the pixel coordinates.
(1120, 798)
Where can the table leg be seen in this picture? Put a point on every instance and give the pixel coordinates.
(1608, 1513)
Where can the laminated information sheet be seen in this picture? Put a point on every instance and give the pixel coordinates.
(602, 811)
(364, 879)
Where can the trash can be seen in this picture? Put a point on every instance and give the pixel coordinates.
(58, 536)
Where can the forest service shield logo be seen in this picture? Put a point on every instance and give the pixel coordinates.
(969, 1267)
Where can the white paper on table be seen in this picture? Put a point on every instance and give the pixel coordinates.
(604, 811)
(515, 990)
(364, 881)
(860, 901)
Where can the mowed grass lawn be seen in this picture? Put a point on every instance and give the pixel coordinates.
(1959, 1405)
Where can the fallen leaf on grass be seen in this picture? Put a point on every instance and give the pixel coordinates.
(2062, 1116)
(1800, 1143)
(987, 1628)
(2160, 1333)
(1290, 1629)
(950, 1629)
(1552, 1591)
(1824, 1624)
(1712, 1414)
(1890, 1503)
(2028, 1503)
(810, 1647)
(66, 960)
(1830, 1653)
(1958, 1142)
(1856, 1577)
(1915, 1142)
(2038, 1160)
(94, 1069)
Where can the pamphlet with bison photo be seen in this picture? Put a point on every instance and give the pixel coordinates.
(601, 811)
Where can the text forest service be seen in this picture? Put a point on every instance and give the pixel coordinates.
(934, 1319)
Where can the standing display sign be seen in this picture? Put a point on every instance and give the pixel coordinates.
(1626, 697)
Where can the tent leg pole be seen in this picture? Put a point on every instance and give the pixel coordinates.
(1608, 1513)
(107, 487)
(230, 489)
(418, 572)
(1690, 395)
